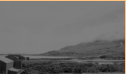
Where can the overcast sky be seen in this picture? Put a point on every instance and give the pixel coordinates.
(38, 27)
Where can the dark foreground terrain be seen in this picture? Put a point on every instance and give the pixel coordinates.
(86, 63)
(61, 67)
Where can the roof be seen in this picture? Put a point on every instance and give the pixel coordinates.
(6, 60)
(14, 69)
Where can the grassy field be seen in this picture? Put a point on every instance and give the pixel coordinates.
(93, 73)
(56, 65)
(103, 73)
(82, 61)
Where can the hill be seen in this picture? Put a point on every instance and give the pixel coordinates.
(114, 48)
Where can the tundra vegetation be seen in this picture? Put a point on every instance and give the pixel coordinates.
(99, 49)
(56, 67)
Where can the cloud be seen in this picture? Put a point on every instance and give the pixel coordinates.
(106, 31)
(109, 31)
(47, 28)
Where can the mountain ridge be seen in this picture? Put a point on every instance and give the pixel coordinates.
(114, 48)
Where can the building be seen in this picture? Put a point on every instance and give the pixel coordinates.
(14, 71)
(17, 60)
(15, 57)
(5, 64)
(8, 66)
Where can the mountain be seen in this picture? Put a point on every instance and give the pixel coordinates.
(114, 48)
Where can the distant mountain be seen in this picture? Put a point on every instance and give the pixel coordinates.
(114, 48)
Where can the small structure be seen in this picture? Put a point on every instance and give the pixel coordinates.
(5, 64)
(15, 71)
(15, 57)
(27, 58)
(17, 64)
(17, 60)
(9, 66)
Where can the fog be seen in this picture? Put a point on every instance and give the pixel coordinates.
(38, 27)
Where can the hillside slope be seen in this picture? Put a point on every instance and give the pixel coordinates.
(96, 48)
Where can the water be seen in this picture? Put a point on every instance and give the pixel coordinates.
(39, 57)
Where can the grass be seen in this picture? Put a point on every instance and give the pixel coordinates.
(103, 73)
(93, 73)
